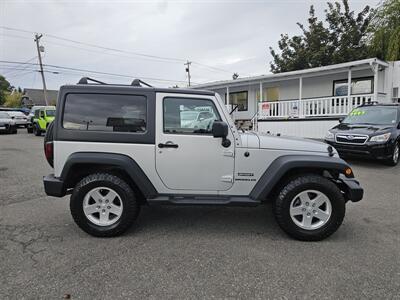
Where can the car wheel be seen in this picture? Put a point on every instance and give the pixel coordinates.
(394, 159)
(310, 208)
(36, 130)
(103, 205)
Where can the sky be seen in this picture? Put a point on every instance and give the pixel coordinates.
(150, 40)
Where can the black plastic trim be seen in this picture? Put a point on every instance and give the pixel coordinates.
(121, 161)
(191, 200)
(54, 186)
(283, 164)
(352, 189)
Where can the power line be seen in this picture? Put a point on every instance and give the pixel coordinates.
(153, 57)
(29, 60)
(97, 46)
(91, 71)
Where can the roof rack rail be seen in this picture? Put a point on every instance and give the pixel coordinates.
(135, 82)
(138, 82)
(84, 80)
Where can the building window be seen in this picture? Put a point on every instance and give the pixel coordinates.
(103, 112)
(358, 86)
(240, 99)
(269, 94)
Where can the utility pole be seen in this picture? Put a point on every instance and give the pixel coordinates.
(187, 64)
(41, 49)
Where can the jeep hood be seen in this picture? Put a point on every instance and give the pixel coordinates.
(267, 141)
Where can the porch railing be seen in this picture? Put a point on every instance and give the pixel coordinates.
(316, 107)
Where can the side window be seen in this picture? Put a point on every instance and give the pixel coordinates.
(189, 116)
(37, 113)
(105, 112)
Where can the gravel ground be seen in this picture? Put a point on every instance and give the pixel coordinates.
(186, 252)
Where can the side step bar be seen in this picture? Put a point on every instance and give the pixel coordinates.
(203, 200)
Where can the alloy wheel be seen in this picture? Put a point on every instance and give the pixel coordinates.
(102, 206)
(310, 209)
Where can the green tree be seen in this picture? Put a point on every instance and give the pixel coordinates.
(385, 31)
(13, 99)
(5, 87)
(339, 39)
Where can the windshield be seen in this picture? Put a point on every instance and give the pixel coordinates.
(50, 113)
(378, 115)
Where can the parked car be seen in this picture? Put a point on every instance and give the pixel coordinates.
(116, 148)
(197, 119)
(7, 123)
(43, 117)
(20, 118)
(371, 130)
(31, 116)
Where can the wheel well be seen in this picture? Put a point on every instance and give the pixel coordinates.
(295, 172)
(79, 171)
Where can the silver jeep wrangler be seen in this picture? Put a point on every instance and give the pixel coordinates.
(115, 148)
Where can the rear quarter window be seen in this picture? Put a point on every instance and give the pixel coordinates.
(105, 112)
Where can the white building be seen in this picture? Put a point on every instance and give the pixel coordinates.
(308, 102)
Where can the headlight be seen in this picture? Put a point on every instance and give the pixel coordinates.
(380, 138)
(330, 135)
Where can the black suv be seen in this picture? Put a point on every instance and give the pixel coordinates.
(370, 130)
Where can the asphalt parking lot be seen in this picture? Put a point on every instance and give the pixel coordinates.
(186, 252)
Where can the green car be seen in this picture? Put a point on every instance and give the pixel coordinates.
(42, 118)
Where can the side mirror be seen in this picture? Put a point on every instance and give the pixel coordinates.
(220, 130)
(41, 115)
(341, 120)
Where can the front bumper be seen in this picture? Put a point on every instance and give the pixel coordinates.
(351, 188)
(54, 186)
(374, 150)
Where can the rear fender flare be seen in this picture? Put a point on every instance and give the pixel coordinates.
(121, 161)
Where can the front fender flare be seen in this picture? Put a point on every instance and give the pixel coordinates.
(280, 166)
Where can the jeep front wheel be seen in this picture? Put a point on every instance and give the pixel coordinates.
(103, 205)
(310, 208)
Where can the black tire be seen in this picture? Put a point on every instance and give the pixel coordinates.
(392, 161)
(129, 214)
(296, 186)
(36, 130)
(29, 129)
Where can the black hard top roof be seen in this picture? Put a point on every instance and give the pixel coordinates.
(137, 85)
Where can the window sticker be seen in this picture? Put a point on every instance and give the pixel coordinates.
(357, 112)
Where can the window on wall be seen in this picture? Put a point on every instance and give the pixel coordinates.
(240, 99)
(269, 94)
(358, 86)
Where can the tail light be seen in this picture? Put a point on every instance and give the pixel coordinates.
(49, 153)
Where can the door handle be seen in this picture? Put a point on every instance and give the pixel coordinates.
(167, 145)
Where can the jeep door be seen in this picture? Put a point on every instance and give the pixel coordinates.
(188, 157)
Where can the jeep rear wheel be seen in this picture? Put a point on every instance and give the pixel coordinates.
(103, 205)
(36, 130)
(310, 208)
